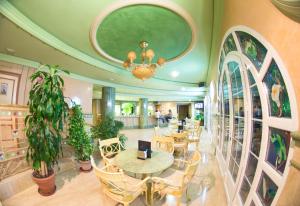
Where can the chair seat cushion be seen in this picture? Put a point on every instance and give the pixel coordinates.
(172, 176)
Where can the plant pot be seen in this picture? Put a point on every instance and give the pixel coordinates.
(46, 185)
(85, 166)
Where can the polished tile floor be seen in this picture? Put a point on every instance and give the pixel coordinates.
(83, 189)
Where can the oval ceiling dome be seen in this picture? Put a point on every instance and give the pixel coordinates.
(168, 33)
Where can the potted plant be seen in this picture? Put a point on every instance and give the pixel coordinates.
(79, 139)
(109, 128)
(44, 124)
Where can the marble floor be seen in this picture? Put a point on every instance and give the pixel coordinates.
(83, 189)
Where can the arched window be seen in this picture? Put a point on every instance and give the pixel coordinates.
(256, 113)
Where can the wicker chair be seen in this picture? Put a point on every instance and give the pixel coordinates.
(118, 186)
(181, 142)
(174, 182)
(163, 144)
(109, 148)
(194, 137)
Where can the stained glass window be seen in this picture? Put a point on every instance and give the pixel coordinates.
(250, 78)
(245, 189)
(222, 58)
(252, 48)
(229, 44)
(266, 190)
(278, 148)
(256, 103)
(279, 102)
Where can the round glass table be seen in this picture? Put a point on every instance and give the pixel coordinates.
(127, 160)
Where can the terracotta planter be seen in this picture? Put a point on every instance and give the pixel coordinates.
(46, 185)
(85, 166)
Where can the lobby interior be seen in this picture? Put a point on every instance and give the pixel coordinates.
(149, 102)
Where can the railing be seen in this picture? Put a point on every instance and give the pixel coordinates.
(13, 141)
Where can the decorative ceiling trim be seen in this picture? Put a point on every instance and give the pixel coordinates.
(18, 18)
(189, 93)
(121, 3)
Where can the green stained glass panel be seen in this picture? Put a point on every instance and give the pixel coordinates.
(266, 190)
(278, 148)
(279, 102)
(229, 44)
(252, 48)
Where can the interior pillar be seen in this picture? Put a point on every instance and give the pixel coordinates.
(108, 102)
(143, 119)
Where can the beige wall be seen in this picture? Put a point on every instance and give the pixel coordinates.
(16, 76)
(79, 89)
(73, 88)
(282, 32)
(165, 106)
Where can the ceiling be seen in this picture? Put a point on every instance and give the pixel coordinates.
(144, 22)
(61, 32)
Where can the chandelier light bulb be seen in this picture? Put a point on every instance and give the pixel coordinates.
(150, 54)
(131, 56)
(161, 61)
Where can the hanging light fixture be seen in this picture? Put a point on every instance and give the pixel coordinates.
(146, 69)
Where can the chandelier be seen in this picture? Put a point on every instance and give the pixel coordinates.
(146, 69)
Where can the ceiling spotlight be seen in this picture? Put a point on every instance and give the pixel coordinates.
(174, 74)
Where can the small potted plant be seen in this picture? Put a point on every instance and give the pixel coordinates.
(109, 128)
(44, 125)
(79, 139)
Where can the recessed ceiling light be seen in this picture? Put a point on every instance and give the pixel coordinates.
(183, 89)
(174, 74)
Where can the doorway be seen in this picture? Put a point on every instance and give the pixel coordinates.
(183, 111)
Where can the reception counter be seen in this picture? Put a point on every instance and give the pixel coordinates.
(131, 122)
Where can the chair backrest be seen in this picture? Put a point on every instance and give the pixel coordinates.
(163, 144)
(109, 147)
(191, 168)
(113, 182)
(157, 131)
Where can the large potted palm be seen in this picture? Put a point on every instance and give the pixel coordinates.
(79, 139)
(44, 125)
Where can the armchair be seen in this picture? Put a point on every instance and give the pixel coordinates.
(175, 182)
(118, 186)
(109, 148)
(163, 144)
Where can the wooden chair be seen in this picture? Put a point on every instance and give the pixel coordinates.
(118, 186)
(163, 144)
(109, 148)
(174, 182)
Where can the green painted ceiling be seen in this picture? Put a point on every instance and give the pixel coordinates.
(123, 29)
(71, 22)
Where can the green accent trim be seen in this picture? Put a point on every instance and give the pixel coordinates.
(25, 23)
(156, 92)
(12, 13)
(18, 60)
(295, 164)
